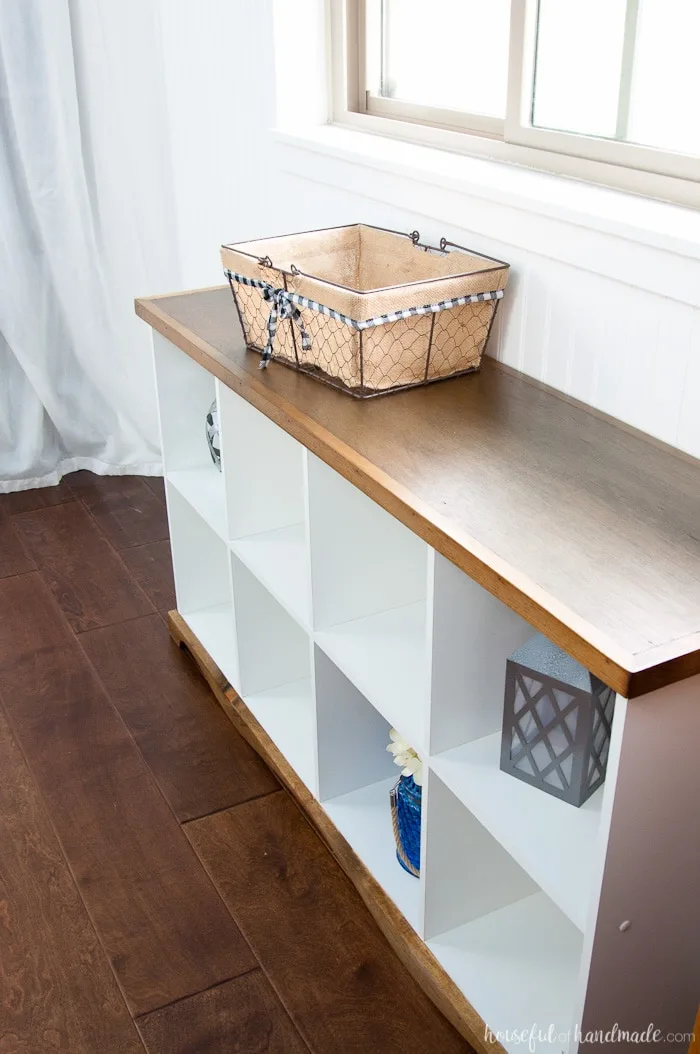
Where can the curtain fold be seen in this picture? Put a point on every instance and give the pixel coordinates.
(86, 223)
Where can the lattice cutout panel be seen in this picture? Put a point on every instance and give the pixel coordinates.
(600, 745)
(556, 737)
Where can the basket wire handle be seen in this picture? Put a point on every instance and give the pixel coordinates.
(444, 243)
(441, 248)
(265, 261)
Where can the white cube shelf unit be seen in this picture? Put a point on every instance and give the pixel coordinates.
(342, 623)
(333, 621)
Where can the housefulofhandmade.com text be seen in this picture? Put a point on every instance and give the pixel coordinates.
(532, 1037)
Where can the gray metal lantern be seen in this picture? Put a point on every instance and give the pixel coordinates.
(556, 722)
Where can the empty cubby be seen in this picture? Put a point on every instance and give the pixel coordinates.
(275, 671)
(489, 924)
(472, 635)
(369, 582)
(202, 581)
(266, 502)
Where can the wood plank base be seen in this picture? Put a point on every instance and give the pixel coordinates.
(412, 951)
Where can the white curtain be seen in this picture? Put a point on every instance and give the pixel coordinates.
(86, 223)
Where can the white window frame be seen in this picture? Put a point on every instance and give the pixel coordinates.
(624, 166)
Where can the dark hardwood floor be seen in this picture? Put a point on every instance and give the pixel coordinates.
(158, 890)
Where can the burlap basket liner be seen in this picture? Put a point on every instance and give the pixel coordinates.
(364, 272)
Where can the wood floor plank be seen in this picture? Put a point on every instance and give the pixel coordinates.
(125, 508)
(157, 485)
(39, 498)
(338, 979)
(89, 581)
(31, 618)
(57, 992)
(14, 558)
(151, 566)
(199, 760)
(243, 1016)
(159, 917)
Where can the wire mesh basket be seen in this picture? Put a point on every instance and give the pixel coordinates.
(366, 310)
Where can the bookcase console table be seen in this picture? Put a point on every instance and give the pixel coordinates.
(362, 565)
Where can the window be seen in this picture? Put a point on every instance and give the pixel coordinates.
(416, 55)
(641, 76)
(614, 84)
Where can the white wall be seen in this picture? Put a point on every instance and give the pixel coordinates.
(584, 312)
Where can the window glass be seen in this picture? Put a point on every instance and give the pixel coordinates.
(579, 57)
(620, 69)
(451, 54)
(665, 98)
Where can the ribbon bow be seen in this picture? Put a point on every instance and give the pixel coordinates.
(281, 307)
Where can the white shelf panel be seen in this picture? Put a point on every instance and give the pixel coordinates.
(385, 657)
(517, 966)
(214, 628)
(203, 488)
(555, 842)
(550, 839)
(287, 715)
(279, 560)
(363, 817)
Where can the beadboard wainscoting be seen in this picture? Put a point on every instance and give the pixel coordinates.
(598, 307)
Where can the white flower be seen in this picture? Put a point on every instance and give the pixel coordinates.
(405, 757)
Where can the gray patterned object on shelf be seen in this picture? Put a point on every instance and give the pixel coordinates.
(557, 719)
(213, 435)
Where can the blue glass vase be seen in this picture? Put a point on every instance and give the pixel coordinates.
(405, 814)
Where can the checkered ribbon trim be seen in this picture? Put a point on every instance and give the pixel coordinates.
(281, 307)
(286, 305)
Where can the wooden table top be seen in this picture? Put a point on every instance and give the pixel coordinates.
(586, 528)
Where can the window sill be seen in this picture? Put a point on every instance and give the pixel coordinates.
(637, 226)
